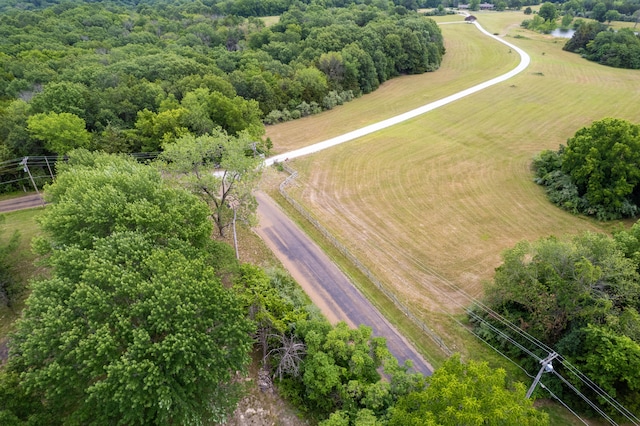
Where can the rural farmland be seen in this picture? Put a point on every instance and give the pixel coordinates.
(430, 204)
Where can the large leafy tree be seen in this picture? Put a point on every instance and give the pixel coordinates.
(598, 172)
(603, 160)
(95, 195)
(552, 286)
(61, 132)
(130, 332)
(580, 297)
(133, 326)
(548, 11)
(468, 394)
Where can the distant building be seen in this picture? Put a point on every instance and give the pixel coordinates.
(486, 6)
(463, 6)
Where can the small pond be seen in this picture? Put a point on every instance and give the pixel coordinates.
(563, 33)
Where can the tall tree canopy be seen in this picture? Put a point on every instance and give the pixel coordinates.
(134, 325)
(146, 70)
(96, 195)
(579, 296)
(219, 168)
(467, 394)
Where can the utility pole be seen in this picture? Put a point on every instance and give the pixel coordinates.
(234, 203)
(26, 169)
(546, 367)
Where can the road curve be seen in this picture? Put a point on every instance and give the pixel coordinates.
(327, 286)
(324, 282)
(525, 60)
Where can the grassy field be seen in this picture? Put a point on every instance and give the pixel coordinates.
(24, 222)
(430, 204)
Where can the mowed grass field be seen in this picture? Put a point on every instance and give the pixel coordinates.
(430, 204)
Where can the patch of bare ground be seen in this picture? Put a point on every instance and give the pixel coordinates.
(262, 406)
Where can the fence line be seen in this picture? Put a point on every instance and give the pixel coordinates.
(362, 268)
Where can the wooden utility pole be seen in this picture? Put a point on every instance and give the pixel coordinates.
(25, 167)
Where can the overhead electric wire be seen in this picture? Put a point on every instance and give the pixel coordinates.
(563, 403)
(500, 319)
(598, 390)
(504, 335)
(587, 400)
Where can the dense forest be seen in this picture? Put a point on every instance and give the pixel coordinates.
(596, 173)
(580, 298)
(620, 49)
(128, 78)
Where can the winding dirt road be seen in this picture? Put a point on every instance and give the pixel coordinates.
(326, 285)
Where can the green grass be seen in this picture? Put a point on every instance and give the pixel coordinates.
(462, 67)
(24, 222)
(429, 205)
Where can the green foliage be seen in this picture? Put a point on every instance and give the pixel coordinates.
(469, 394)
(596, 173)
(131, 332)
(538, 23)
(599, 11)
(220, 169)
(133, 325)
(586, 31)
(117, 65)
(96, 195)
(614, 359)
(340, 371)
(580, 297)
(583, 281)
(61, 132)
(620, 49)
(548, 11)
(8, 288)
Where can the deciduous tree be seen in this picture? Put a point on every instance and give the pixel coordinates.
(219, 168)
(131, 332)
(96, 195)
(61, 132)
(469, 394)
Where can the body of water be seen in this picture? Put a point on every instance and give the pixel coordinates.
(563, 33)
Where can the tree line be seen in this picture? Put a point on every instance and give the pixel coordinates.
(592, 39)
(597, 172)
(580, 297)
(120, 77)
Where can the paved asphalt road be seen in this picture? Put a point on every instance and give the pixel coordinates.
(327, 286)
(26, 202)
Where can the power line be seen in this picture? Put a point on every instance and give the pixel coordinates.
(563, 403)
(587, 400)
(514, 328)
